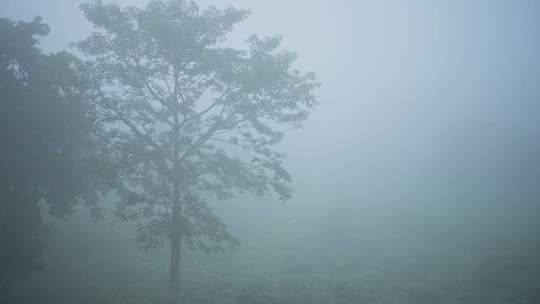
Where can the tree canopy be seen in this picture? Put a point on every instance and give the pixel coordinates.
(49, 147)
(188, 119)
(171, 98)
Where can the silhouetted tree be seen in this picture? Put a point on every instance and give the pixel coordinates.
(49, 150)
(178, 106)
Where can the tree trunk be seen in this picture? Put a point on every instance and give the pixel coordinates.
(176, 229)
(176, 247)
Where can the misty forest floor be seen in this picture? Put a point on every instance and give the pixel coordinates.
(86, 263)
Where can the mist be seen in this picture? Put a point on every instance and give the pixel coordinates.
(415, 176)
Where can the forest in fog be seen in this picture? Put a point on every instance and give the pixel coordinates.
(269, 152)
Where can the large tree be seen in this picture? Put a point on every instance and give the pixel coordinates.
(49, 144)
(188, 119)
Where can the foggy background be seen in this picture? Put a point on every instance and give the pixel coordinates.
(416, 175)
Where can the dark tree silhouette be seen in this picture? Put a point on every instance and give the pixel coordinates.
(49, 150)
(188, 119)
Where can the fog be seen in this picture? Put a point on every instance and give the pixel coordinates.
(415, 177)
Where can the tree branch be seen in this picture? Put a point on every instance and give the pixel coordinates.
(134, 128)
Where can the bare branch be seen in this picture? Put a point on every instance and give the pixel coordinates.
(134, 129)
(229, 142)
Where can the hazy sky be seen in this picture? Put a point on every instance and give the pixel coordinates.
(415, 93)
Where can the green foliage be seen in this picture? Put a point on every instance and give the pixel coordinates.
(181, 110)
(49, 150)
